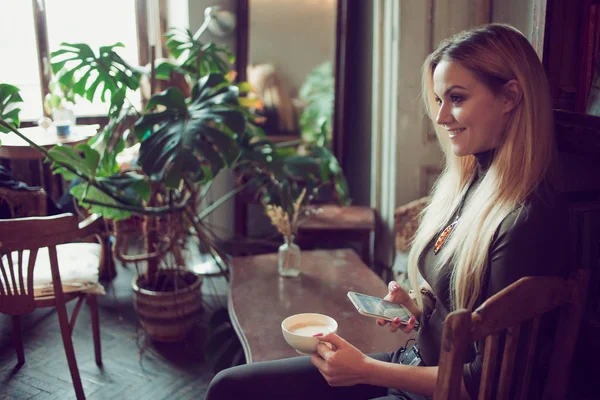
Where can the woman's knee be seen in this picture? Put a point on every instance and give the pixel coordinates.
(222, 386)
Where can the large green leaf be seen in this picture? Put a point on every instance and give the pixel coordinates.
(302, 167)
(58, 155)
(181, 140)
(131, 187)
(105, 70)
(85, 191)
(9, 112)
(331, 171)
(195, 58)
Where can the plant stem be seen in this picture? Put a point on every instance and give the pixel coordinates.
(220, 201)
(205, 189)
(289, 143)
(204, 238)
(155, 211)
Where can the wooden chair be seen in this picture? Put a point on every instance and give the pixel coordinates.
(24, 203)
(504, 314)
(40, 268)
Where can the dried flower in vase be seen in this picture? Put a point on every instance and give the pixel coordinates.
(286, 225)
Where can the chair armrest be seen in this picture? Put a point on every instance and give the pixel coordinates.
(91, 225)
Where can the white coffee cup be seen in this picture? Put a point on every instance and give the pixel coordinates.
(298, 331)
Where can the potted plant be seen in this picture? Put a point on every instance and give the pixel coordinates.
(187, 134)
(186, 137)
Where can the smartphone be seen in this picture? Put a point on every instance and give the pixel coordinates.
(378, 308)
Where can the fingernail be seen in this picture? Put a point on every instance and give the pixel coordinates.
(397, 320)
(317, 334)
(380, 323)
(411, 320)
(395, 287)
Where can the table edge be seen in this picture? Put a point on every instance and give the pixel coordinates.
(236, 324)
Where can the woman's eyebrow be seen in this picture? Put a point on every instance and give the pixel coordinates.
(453, 87)
(450, 89)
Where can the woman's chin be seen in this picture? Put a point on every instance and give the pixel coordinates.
(460, 151)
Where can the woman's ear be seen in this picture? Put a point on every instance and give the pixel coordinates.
(513, 94)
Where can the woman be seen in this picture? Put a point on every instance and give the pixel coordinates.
(492, 219)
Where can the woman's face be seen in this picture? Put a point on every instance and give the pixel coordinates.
(471, 114)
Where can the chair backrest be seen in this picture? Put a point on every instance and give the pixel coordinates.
(501, 317)
(20, 239)
(406, 222)
(23, 203)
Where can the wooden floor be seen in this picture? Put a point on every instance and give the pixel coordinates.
(132, 367)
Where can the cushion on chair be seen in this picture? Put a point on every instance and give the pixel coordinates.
(78, 264)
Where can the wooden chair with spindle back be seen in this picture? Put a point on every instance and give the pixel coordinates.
(500, 319)
(39, 267)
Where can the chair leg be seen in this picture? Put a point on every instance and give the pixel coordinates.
(92, 301)
(63, 320)
(18, 340)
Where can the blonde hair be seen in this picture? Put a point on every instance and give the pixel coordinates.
(496, 54)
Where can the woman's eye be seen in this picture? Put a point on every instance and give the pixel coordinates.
(456, 99)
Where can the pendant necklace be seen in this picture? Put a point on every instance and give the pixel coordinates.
(448, 230)
(444, 235)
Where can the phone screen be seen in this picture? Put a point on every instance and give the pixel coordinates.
(378, 307)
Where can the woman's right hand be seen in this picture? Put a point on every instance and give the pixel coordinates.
(398, 295)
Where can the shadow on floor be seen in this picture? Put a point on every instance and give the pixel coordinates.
(133, 367)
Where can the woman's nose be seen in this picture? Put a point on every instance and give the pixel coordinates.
(444, 117)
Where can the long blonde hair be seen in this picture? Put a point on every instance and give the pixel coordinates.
(496, 54)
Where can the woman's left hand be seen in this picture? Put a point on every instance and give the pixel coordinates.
(344, 365)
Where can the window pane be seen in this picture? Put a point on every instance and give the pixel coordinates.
(19, 64)
(96, 23)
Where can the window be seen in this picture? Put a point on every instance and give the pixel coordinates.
(20, 66)
(96, 23)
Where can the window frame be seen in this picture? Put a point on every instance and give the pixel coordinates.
(43, 55)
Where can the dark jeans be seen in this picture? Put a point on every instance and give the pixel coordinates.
(297, 378)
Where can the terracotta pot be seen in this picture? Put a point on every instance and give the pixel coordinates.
(169, 316)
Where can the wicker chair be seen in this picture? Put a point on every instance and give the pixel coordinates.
(24, 203)
(406, 222)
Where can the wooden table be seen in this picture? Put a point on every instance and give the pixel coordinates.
(259, 300)
(15, 148)
(28, 164)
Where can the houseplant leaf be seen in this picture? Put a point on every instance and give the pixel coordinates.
(195, 58)
(84, 191)
(9, 112)
(105, 70)
(180, 139)
(69, 156)
(318, 94)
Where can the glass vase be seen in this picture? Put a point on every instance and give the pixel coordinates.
(289, 258)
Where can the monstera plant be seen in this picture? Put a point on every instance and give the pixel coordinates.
(199, 125)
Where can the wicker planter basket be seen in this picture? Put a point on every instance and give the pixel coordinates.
(169, 316)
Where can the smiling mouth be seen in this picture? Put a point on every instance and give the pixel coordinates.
(455, 132)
